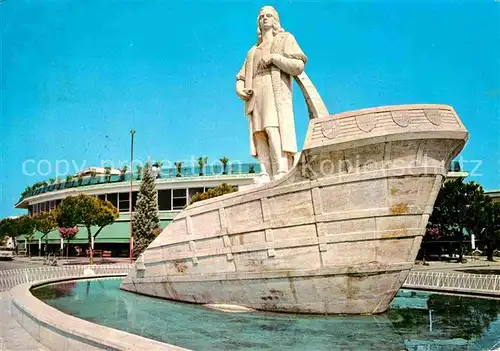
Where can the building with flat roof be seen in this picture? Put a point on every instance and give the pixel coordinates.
(174, 193)
(494, 194)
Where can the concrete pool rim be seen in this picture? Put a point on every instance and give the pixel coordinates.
(60, 331)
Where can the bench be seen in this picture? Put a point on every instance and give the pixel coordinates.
(101, 253)
(95, 252)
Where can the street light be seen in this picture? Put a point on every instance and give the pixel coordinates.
(131, 242)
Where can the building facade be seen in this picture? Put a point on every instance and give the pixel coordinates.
(493, 194)
(173, 194)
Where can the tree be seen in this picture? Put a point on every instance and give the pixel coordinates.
(86, 211)
(46, 222)
(80, 178)
(488, 229)
(123, 171)
(178, 167)
(251, 169)
(202, 161)
(146, 224)
(217, 191)
(158, 165)
(69, 178)
(458, 207)
(9, 227)
(224, 162)
(139, 172)
(107, 172)
(27, 191)
(68, 234)
(26, 227)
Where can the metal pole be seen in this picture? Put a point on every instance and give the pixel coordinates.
(131, 242)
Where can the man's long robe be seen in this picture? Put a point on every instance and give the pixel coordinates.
(291, 61)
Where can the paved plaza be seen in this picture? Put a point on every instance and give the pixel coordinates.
(12, 336)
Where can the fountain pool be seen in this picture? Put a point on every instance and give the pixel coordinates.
(415, 321)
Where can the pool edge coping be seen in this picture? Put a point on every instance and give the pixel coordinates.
(60, 331)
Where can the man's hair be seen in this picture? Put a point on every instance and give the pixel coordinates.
(276, 27)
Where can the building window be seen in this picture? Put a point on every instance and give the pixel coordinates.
(165, 200)
(193, 191)
(102, 197)
(134, 200)
(30, 210)
(179, 199)
(58, 202)
(123, 202)
(113, 198)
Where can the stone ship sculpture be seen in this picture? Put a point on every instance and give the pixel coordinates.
(334, 229)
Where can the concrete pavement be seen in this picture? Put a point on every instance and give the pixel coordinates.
(6, 265)
(12, 336)
(476, 263)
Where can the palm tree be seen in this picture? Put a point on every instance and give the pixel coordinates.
(123, 171)
(202, 161)
(178, 166)
(93, 174)
(27, 191)
(69, 179)
(224, 160)
(52, 181)
(139, 171)
(107, 172)
(80, 178)
(158, 165)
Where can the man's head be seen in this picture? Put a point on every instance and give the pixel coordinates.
(268, 19)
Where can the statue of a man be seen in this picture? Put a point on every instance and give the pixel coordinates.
(264, 83)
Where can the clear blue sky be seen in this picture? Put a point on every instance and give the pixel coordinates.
(76, 76)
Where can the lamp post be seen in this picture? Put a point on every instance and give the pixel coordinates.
(131, 242)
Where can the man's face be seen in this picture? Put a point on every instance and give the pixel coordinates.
(266, 19)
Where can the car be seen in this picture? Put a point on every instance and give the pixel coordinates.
(6, 253)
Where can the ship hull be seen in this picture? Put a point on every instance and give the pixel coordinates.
(338, 235)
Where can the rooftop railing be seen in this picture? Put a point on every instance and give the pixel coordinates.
(166, 173)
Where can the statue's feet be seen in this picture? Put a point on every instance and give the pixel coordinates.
(262, 178)
(279, 175)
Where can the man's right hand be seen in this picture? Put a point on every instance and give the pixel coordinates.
(244, 94)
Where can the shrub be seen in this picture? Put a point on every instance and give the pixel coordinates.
(215, 192)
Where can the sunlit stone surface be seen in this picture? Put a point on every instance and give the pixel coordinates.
(338, 234)
(339, 226)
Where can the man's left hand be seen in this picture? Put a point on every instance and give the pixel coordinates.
(266, 61)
